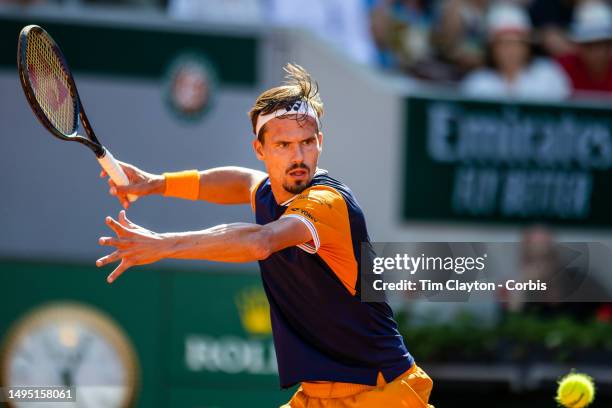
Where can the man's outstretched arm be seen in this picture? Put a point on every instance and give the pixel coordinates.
(239, 242)
(221, 185)
(229, 185)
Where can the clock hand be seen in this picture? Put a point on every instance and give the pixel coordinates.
(74, 361)
(66, 377)
(71, 362)
(77, 357)
(54, 353)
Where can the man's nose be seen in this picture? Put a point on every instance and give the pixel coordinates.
(298, 153)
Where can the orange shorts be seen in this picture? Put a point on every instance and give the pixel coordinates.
(409, 390)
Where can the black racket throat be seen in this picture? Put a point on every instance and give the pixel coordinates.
(91, 140)
(98, 149)
(95, 147)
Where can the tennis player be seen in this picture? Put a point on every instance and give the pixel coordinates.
(307, 238)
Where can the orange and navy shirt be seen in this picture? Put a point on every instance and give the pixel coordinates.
(322, 331)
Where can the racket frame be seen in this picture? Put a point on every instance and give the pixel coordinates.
(105, 158)
(91, 141)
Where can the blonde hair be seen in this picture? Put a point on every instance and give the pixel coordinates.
(298, 85)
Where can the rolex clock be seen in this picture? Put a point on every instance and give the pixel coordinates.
(74, 346)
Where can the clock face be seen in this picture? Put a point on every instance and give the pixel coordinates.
(74, 346)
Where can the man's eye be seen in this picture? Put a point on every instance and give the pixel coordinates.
(307, 142)
(282, 145)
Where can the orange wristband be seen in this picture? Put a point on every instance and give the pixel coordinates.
(183, 184)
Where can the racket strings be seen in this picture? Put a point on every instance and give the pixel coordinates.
(50, 84)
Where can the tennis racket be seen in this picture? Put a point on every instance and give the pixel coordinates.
(52, 94)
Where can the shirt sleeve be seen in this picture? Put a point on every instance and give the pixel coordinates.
(318, 209)
(254, 190)
(324, 211)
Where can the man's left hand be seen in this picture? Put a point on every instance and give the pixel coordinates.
(134, 245)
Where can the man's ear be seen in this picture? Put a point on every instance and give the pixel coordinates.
(258, 149)
(320, 139)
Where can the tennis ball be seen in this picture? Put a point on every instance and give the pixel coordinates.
(575, 390)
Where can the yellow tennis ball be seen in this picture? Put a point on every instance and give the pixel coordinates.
(575, 390)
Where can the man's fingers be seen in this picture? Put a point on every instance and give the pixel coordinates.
(123, 220)
(119, 229)
(118, 243)
(106, 241)
(136, 189)
(125, 203)
(123, 266)
(121, 192)
(105, 260)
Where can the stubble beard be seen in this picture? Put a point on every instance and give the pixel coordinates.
(296, 188)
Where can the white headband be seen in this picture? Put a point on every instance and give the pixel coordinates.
(301, 107)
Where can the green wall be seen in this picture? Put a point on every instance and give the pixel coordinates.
(159, 309)
(136, 52)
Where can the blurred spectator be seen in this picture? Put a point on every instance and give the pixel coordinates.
(402, 30)
(541, 259)
(513, 71)
(151, 4)
(23, 2)
(220, 11)
(343, 23)
(590, 65)
(551, 19)
(460, 34)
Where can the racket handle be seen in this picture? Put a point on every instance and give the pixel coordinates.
(112, 168)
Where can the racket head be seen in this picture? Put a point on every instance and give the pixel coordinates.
(49, 87)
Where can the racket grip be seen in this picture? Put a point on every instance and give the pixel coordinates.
(112, 168)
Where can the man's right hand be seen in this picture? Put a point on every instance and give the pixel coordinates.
(140, 184)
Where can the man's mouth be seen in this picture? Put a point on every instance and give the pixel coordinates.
(298, 173)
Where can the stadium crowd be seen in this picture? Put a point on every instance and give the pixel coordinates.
(549, 49)
(535, 49)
